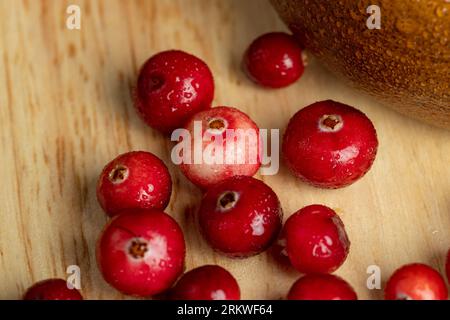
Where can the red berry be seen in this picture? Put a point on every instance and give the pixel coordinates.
(236, 146)
(329, 144)
(240, 216)
(447, 266)
(274, 60)
(52, 289)
(416, 282)
(206, 283)
(172, 86)
(321, 287)
(315, 240)
(141, 252)
(134, 180)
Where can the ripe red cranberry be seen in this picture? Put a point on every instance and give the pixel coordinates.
(321, 287)
(134, 180)
(329, 144)
(209, 282)
(447, 266)
(52, 289)
(230, 146)
(141, 252)
(274, 60)
(416, 282)
(315, 240)
(240, 216)
(172, 86)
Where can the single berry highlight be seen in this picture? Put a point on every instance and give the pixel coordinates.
(172, 86)
(240, 216)
(141, 252)
(329, 144)
(52, 289)
(416, 282)
(230, 146)
(134, 180)
(274, 60)
(321, 287)
(208, 282)
(314, 239)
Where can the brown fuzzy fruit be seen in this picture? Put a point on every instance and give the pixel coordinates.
(405, 64)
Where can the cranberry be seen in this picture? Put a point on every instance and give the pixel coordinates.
(134, 180)
(321, 287)
(315, 240)
(209, 282)
(141, 252)
(230, 146)
(447, 266)
(240, 216)
(329, 144)
(274, 60)
(172, 86)
(416, 282)
(52, 289)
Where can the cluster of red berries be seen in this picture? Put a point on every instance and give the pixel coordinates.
(141, 251)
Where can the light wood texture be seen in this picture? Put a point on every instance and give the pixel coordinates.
(65, 111)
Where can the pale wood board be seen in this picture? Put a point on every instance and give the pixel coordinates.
(65, 111)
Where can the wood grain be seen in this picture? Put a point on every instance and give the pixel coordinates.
(65, 110)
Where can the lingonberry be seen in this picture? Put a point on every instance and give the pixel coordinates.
(141, 252)
(240, 216)
(329, 144)
(172, 86)
(314, 239)
(321, 287)
(134, 180)
(416, 282)
(447, 266)
(274, 60)
(228, 143)
(52, 289)
(208, 282)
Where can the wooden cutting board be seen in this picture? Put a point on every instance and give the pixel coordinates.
(65, 111)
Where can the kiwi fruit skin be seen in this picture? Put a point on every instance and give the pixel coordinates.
(405, 63)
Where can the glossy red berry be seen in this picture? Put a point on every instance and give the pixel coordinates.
(274, 60)
(141, 252)
(321, 287)
(416, 282)
(134, 180)
(447, 266)
(228, 144)
(172, 86)
(208, 282)
(314, 239)
(52, 289)
(329, 144)
(240, 216)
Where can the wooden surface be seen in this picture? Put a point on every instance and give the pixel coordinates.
(65, 111)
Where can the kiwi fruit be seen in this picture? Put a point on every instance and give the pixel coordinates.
(405, 63)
